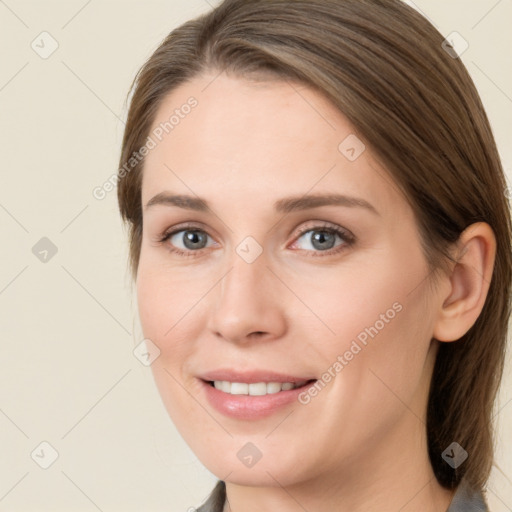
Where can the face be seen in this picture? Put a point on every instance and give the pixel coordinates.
(301, 281)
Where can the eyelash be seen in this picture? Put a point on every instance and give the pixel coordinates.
(346, 236)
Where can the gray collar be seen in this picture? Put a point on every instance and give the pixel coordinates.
(467, 499)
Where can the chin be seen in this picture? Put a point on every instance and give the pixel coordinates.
(242, 463)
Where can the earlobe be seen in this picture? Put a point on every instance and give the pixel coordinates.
(468, 283)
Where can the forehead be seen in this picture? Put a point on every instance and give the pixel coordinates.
(234, 139)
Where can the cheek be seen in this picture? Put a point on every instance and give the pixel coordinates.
(379, 324)
(377, 380)
(171, 310)
(165, 311)
(166, 301)
(360, 302)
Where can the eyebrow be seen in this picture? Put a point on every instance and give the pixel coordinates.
(285, 205)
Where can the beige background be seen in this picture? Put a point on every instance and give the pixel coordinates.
(68, 326)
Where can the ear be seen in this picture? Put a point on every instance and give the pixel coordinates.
(468, 283)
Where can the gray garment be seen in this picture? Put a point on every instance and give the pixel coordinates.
(465, 499)
(216, 500)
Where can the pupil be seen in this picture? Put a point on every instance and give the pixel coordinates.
(192, 238)
(321, 237)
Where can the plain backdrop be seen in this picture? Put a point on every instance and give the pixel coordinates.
(68, 316)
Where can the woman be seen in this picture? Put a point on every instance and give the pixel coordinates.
(321, 241)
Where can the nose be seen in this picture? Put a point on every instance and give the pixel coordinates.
(247, 303)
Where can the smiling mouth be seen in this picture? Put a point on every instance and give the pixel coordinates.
(257, 388)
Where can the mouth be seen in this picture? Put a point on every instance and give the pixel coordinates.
(256, 388)
(252, 395)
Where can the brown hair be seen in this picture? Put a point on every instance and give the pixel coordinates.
(383, 65)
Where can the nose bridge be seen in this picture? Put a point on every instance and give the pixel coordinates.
(244, 285)
(243, 301)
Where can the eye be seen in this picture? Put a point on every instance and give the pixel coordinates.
(322, 239)
(187, 241)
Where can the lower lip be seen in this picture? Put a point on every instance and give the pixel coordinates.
(247, 407)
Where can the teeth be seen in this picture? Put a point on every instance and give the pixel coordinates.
(273, 387)
(239, 388)
(256, 388)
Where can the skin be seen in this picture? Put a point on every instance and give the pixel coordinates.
(360, 444)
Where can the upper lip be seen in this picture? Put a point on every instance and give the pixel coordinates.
(252, 376)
